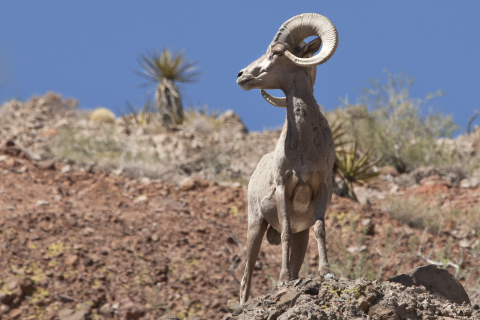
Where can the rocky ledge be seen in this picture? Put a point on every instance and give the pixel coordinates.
(421, 293)
(316, 298)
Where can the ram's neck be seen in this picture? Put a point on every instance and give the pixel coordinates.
(302, 113)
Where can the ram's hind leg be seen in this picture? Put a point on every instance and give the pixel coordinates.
(255, 233)
(298, 250)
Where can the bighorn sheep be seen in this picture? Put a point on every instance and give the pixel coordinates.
(291, 187)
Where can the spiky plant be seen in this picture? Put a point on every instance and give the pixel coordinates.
(142, 116)
(338, 134)
(352, 166)
(165, 70)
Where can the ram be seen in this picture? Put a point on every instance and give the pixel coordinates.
(291, 187)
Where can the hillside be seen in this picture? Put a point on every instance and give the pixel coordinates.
(129, 234)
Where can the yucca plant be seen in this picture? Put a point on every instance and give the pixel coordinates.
(165, 70)
(338, 134)
(351, 166)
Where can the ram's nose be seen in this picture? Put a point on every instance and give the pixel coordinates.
(240, 73)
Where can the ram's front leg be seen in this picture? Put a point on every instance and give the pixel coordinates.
(286, 233)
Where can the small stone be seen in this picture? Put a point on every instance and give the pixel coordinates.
(364, 305)
(88, 231)
(15, 313)
(71, 260)
(66, 169)
(233, 305)
(12, 283)
(42, 203)
(236, 312)
(379, 312)
(106, 310)
(26, 285)
(366, 222)
(4, 309)
(4, 297)
(87, 261)
(329, 276)
(187, 184)
(45, 164)
(298, 282)
(64, 298)
(169, 317)
(394, 189)
(130, 310)
(154, 237)
(215, 304)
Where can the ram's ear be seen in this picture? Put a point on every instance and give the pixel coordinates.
(310, 48)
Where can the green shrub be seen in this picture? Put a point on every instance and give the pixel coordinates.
(400, 128)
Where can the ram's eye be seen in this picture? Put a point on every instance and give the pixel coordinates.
(278, 53)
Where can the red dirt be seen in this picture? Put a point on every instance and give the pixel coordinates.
(98, 238)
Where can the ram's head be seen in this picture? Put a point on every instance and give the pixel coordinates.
(288, 52)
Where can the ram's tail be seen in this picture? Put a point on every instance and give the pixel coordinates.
(273, 236)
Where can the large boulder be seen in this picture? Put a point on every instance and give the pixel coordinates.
(438, 282)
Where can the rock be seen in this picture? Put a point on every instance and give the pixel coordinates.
(129, 309)
(394, 189)
(169, 317)
(12, 283)
(364, 305)
(15, 313)
(436, 281)
(232, 305)
(187, 184)
(71, 260)
(470, 182)
(69, 314)
(65, 299)
(87, 261)
(10, 148)
(106, 310)
(382, 313)
(45, 164)
(42, 203)
(4, 309)
(26, 285)
(287, 300)
(4, 297)
(66, 169)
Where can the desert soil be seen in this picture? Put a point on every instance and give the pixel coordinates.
(103, 243)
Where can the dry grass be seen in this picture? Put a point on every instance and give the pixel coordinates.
(99, 144)
(417, 214)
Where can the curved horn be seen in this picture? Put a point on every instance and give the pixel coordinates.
(300, 27)
(274, 101)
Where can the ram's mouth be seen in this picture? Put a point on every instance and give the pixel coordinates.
(241, 82)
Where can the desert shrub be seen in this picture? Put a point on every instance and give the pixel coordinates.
(417, 214)
(401, 129)
(202, 119)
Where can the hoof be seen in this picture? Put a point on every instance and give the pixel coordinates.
(326, 273)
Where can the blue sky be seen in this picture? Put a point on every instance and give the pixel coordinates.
(88, 49)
